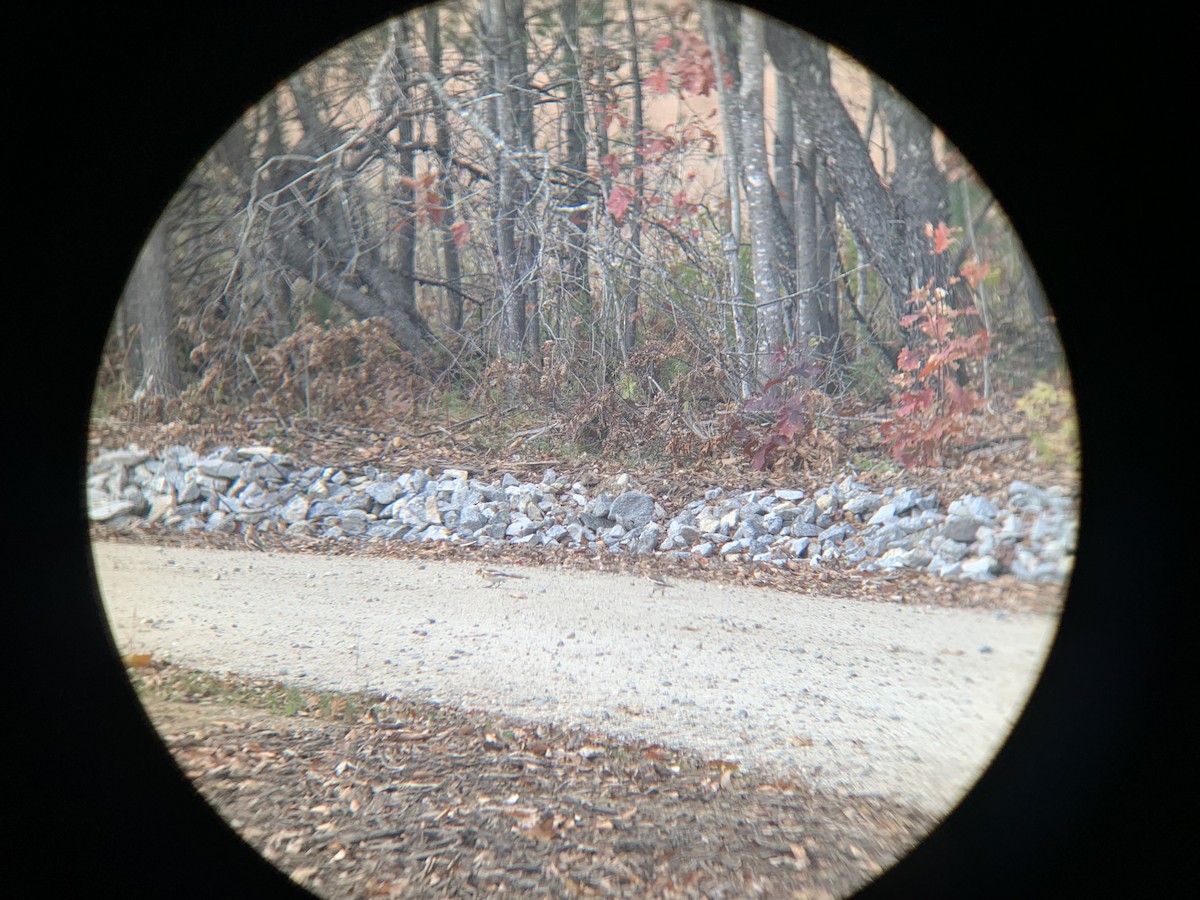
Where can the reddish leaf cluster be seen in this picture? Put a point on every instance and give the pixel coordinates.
(790, 421)
(932, 408)
(687, 62)
(428, 204)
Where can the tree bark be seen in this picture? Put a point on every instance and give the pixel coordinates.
(405, 228)
(918, 188)
(451, 260)
(575, 263)
(634, 285)
(504, 42)
(719, 28)
(860, 193)
(769, 297)
(147, 300)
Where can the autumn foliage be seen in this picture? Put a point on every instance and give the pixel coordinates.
(932, 408)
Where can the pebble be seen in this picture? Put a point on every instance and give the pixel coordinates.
(1032, 528)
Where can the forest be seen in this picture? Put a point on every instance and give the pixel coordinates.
(666, 231)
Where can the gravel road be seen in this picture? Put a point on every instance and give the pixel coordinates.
(907, 701)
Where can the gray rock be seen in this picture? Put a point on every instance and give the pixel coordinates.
(321, 509)
(903, 528)
(647, 538)
(836, 533)
(470, 520)
(556, 534)
(296, 510)
(594, 522)
(961, 528)
(107, 510)
(751, 527)
(980, 569)
(120, 458)
(953, 551)
(633, 509)
(382, 492)
(885, 513)
(219, 468)
(916, 558)
(862, 504)
(521, 526)
(354, 521)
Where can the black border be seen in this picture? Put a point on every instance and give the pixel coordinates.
(1061, 116)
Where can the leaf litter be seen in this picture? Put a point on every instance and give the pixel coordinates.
(363, 795)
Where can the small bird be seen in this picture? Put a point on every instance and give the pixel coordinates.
(495, 576)
(659, 584)
(250, 536)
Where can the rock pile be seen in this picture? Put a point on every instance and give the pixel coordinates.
(1030, 532)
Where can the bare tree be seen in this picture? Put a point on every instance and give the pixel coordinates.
(762, 202)
(503, 32)
(451, 261)
(918, 187)
(634, 284)
(577, 203)
(719, 29)
(880, 229)
(147, 301)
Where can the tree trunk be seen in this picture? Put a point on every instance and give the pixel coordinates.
(719, 27)
(808, 241)
(769, 298)
(575, 263)
(405, 229)
(451, 260)
(918, 188)
(503, 33)
(147, 301)
(325, 234)
(868, 209)
(634, 286)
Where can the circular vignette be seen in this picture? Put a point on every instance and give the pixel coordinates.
(145, 159)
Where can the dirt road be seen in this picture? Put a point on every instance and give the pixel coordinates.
(906, 701)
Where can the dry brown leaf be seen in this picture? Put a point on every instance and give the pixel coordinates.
(545, 829)
(136, 660)
(304, 873)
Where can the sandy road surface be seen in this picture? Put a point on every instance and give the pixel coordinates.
(907, 701)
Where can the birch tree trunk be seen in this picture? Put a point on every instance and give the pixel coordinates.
(769, 299)
(497, 18)
(718, 27)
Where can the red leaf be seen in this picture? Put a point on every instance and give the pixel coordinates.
(655, 147)
(907, 361)
(461, 232)
(657, 82)
(664, 43)
(618, 202)
(975, 272)
(941, 236)
(759, 459)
